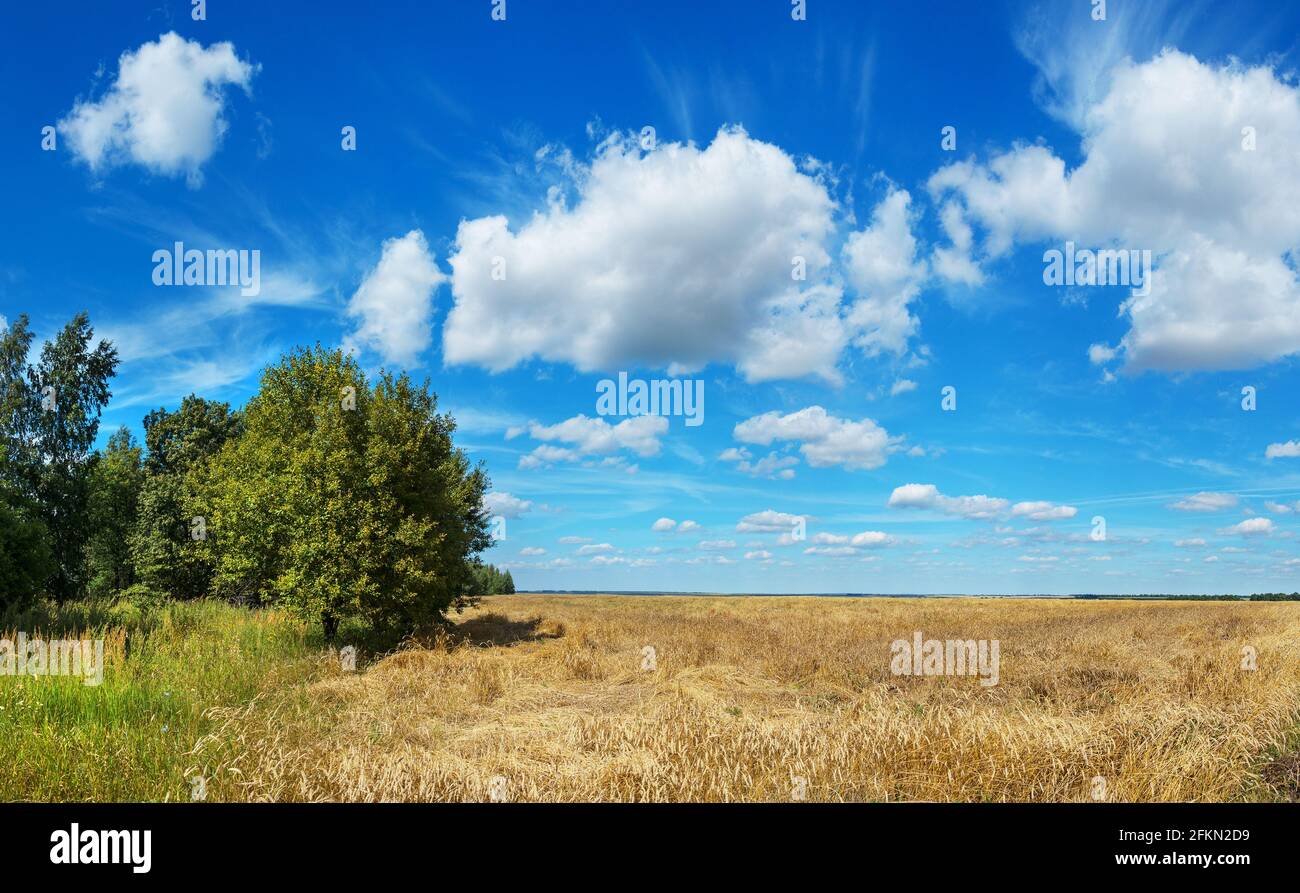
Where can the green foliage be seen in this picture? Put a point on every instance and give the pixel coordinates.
(344, 501)
(489, 580)
(134, 737)
(180, 444)
(163, 554)
(340, 500)
(49, 419)
(26, 560)
(115, 483)
(182, 440)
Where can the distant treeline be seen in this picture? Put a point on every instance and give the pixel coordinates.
(1257, 597)
(490, 580)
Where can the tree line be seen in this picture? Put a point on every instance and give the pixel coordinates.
(328, 494)
(1257, 597)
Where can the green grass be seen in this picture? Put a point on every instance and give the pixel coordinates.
(165, 665)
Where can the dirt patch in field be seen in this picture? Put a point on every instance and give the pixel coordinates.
(1283, 774)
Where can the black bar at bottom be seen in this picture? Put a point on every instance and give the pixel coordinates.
(296, 843)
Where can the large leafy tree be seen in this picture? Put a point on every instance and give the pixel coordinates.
(167, 557)
(344, 500)
(49, 419)
(115, 484)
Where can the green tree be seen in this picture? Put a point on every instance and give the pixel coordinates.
(178, 441)
(15, 436)
(484, 579)
(491, 580)
(115, 484)
(166, 556)
(26, 561)
(342, 500)
(50, 415)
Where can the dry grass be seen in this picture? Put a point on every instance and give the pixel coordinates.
(750, 694)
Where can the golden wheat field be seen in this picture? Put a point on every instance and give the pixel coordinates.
(769, 699)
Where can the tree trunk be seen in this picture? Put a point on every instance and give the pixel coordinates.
(331, 625)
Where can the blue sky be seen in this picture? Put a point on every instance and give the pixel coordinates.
(774, 138)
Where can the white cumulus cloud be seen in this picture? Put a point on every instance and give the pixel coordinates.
(882, 266)
(871, 539)
(831, 551)
(505, 505)
(1206, 502)
(1165, 169)
(594, 437)
(1250, 527)
(596, 549)
(163, 111)
(773, 465)
(674, 257)
(395, 301)
(927, 496)
(769, 521)
(681, 256)
(1043, 511)
(668, 525)
(824, 440)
